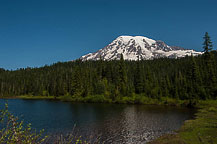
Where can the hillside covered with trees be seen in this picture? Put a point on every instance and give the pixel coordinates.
(184, 78)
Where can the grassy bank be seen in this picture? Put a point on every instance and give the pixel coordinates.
(201, 130)
(36, 97)
(29, 97)
(136, 99)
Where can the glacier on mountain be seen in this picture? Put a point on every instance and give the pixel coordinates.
(138, 47)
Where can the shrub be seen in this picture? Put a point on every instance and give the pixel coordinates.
(14, 132)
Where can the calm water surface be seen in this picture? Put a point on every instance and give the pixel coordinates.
(114, 123)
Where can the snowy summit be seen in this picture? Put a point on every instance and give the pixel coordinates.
(138, 47)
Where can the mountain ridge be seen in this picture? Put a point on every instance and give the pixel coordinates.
(138, 47)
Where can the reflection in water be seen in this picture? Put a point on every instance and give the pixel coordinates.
(112, 122)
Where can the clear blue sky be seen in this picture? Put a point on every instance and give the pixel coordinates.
(38, 32)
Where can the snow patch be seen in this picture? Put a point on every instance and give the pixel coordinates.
(134, 47)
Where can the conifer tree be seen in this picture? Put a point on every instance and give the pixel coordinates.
(195, 79)
(138, 78)
(195, 71)
(210, 64)
(77, 89)
(122, 76)
(207, 45)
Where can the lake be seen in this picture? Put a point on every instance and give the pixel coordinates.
(113, 123)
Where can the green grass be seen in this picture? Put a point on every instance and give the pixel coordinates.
(88, 99)
(201, 130)
(135, 99)
(35, 97)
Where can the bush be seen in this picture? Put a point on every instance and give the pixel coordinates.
(14, 132)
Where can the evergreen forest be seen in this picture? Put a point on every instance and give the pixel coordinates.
(188, 78)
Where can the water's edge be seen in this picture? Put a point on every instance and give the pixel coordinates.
(129, 122)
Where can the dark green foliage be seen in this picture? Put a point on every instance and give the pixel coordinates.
(207, 45)
(210, 71)
(189, 78)
(185, 78)
(139, 79)
(14, 131)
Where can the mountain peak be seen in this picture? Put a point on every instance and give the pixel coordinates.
(137, 47)
(138, 39)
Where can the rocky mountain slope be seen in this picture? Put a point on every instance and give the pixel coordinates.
(138, 47)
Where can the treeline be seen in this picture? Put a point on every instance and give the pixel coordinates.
(188, 78)
(184, 78)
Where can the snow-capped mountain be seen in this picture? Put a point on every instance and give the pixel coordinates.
(138, 47)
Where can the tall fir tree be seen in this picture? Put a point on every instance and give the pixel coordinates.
(210, 64)
(122, 76)
(138, 78)
(207, 45)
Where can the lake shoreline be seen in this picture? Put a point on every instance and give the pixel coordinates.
(146, 119)
(201, 129)
(189, 130)
(125, 100)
